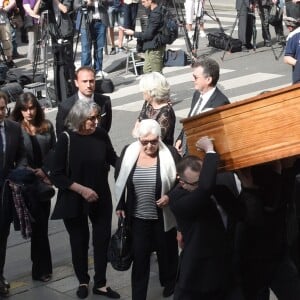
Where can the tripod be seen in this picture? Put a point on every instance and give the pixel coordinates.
(181, 20)
(41, 52)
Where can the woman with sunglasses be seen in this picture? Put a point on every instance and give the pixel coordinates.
(145, 173)
(80, 171)
(39, 139)
(157, 105)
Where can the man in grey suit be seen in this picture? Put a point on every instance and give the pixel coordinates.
(12, 155)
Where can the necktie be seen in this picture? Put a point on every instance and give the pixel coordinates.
(194, 112)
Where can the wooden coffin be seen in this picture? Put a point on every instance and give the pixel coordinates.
(253, 131)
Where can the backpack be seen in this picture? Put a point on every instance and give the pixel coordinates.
(168, 33)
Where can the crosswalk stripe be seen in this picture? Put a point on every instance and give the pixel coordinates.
(173, 80)
(247, 80)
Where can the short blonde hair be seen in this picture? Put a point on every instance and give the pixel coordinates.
(156, 85)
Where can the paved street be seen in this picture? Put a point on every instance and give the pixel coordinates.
(243, 74)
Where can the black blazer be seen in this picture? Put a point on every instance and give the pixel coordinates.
(149, 37)
(15, 153)
(208, 246)
(216, 99)
(65, 106)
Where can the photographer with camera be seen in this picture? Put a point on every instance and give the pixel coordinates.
(94, 22)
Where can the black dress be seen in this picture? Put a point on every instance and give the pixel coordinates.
(166, 118)
(89, 160)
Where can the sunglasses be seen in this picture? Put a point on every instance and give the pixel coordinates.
(152, 142)
(195, 183)
(94, 118)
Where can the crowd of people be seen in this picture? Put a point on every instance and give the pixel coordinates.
(217, 236)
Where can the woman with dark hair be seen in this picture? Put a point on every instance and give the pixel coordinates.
(39, 139)
(80, 171)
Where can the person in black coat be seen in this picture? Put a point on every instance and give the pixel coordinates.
(15, 156)
(205, 215)
(154, 51)
(85, 82)
(80, 171)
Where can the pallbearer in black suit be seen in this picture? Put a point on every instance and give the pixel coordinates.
(85, 81)
(12, 155)
(205, 214)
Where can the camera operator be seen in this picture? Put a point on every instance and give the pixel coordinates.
(61, 29)
(94, 22)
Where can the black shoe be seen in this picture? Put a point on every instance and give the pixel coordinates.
(17, 55)
(249, 46)
(267, 44)
(43, 278)
(4, 287)
(168, 291)
(4, 282)
(122, 49)
(82, 291)
(109, 293)
(113, 51)
(11, 64)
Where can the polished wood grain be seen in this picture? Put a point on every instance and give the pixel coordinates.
(252, 131)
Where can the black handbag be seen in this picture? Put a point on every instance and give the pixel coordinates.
(119, 251)
(173, 58)
(275, 16)
(221, 40)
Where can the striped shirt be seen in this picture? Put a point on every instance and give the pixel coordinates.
(144, 181)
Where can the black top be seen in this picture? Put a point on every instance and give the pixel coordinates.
(150, 37)
(166, 118)
(89, 160)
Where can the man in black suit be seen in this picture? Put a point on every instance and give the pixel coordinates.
(205, 221)
(206, 74)
(85, 82)
(12, 155)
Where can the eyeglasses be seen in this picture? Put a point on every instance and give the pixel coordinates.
(94, 118)
(195, 183)
(152, 142)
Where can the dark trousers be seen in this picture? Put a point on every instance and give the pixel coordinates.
(264, 12)
(78, 229)
(130, 14)
(245, 25)
(4, 233)
(40, 246)
(280, 276)
(148, 235)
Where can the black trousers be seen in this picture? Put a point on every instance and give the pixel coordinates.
(280, 276)
(78, 229)
(40, 246)
(245, 25)
(264, 12)
(148, 235)
(4, 233)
